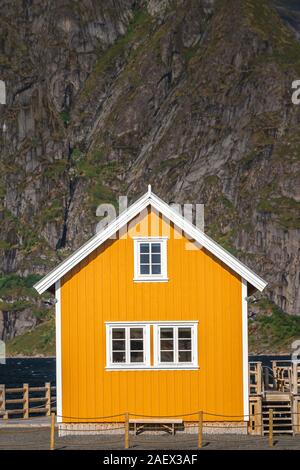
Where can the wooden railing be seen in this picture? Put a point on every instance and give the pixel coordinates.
(296, 378)
(255, 378)
(284, 376)
(25, 401)
(287, 376)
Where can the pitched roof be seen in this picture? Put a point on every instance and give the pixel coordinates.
(154, 201)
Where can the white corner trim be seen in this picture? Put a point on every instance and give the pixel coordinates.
(150, 199)
(58, 351)
(245, 350)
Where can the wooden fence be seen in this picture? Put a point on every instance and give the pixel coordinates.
(26, 401)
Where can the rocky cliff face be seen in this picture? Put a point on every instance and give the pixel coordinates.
(192, 96)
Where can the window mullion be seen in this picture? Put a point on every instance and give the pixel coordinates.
(127, 345)
(176, 344)
(139, 258)
(158, 342)
(110, 346)
(192, 344)
(144, 344)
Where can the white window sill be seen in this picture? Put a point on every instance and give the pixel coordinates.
(127, 367)
(150, 279)
(170, 367)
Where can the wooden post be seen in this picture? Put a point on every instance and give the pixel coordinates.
(294, 378)
(48, 398)
(271, 428)
(2, 402)
(298, 417)
(126, 431)
(52, 432)
(200, 429)
(258, 379)
(26, 401)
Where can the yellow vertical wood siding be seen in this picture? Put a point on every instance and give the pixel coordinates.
(101, 288)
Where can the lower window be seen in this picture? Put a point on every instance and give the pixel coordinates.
(173, 345)
(176, 345)
(127, 345)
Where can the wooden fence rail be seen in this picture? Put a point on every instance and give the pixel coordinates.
(42, 404)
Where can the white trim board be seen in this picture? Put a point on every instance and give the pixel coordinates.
(187, 227)
(58, 351)
(151, 322)
(245, 349)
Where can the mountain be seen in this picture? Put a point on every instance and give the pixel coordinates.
(104, 97)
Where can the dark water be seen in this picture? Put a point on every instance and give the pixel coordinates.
(37, 371)
(266, 360)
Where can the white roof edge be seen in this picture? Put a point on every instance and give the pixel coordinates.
(149, 198)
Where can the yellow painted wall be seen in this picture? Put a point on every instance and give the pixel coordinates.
(101, 288)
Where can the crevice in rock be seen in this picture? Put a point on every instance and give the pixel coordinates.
(61, 243)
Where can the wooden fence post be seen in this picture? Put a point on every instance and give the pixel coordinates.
(271, 428)
(126, 431)
(297, 430)
(48, 398)
(52, 432)
(200, 429)
(25, 401)
(2, 402)
(2, 399)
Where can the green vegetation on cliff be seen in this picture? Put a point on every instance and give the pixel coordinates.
(272, 331)
(40, 341)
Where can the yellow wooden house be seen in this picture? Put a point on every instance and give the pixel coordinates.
(151, 319)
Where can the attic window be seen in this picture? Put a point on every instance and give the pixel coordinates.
(150, 259)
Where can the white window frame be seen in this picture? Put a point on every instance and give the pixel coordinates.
(127, 364)
(138, 277)
(176, 365)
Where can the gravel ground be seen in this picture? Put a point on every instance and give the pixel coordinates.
(39, 438)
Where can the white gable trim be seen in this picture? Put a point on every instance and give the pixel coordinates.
(150, 199)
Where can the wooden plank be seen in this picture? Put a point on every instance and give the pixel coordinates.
(15, 400)
(37, 410)
(37, 389)
(37, 399)
(15, 412)
(277, 396)
(14, 390)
